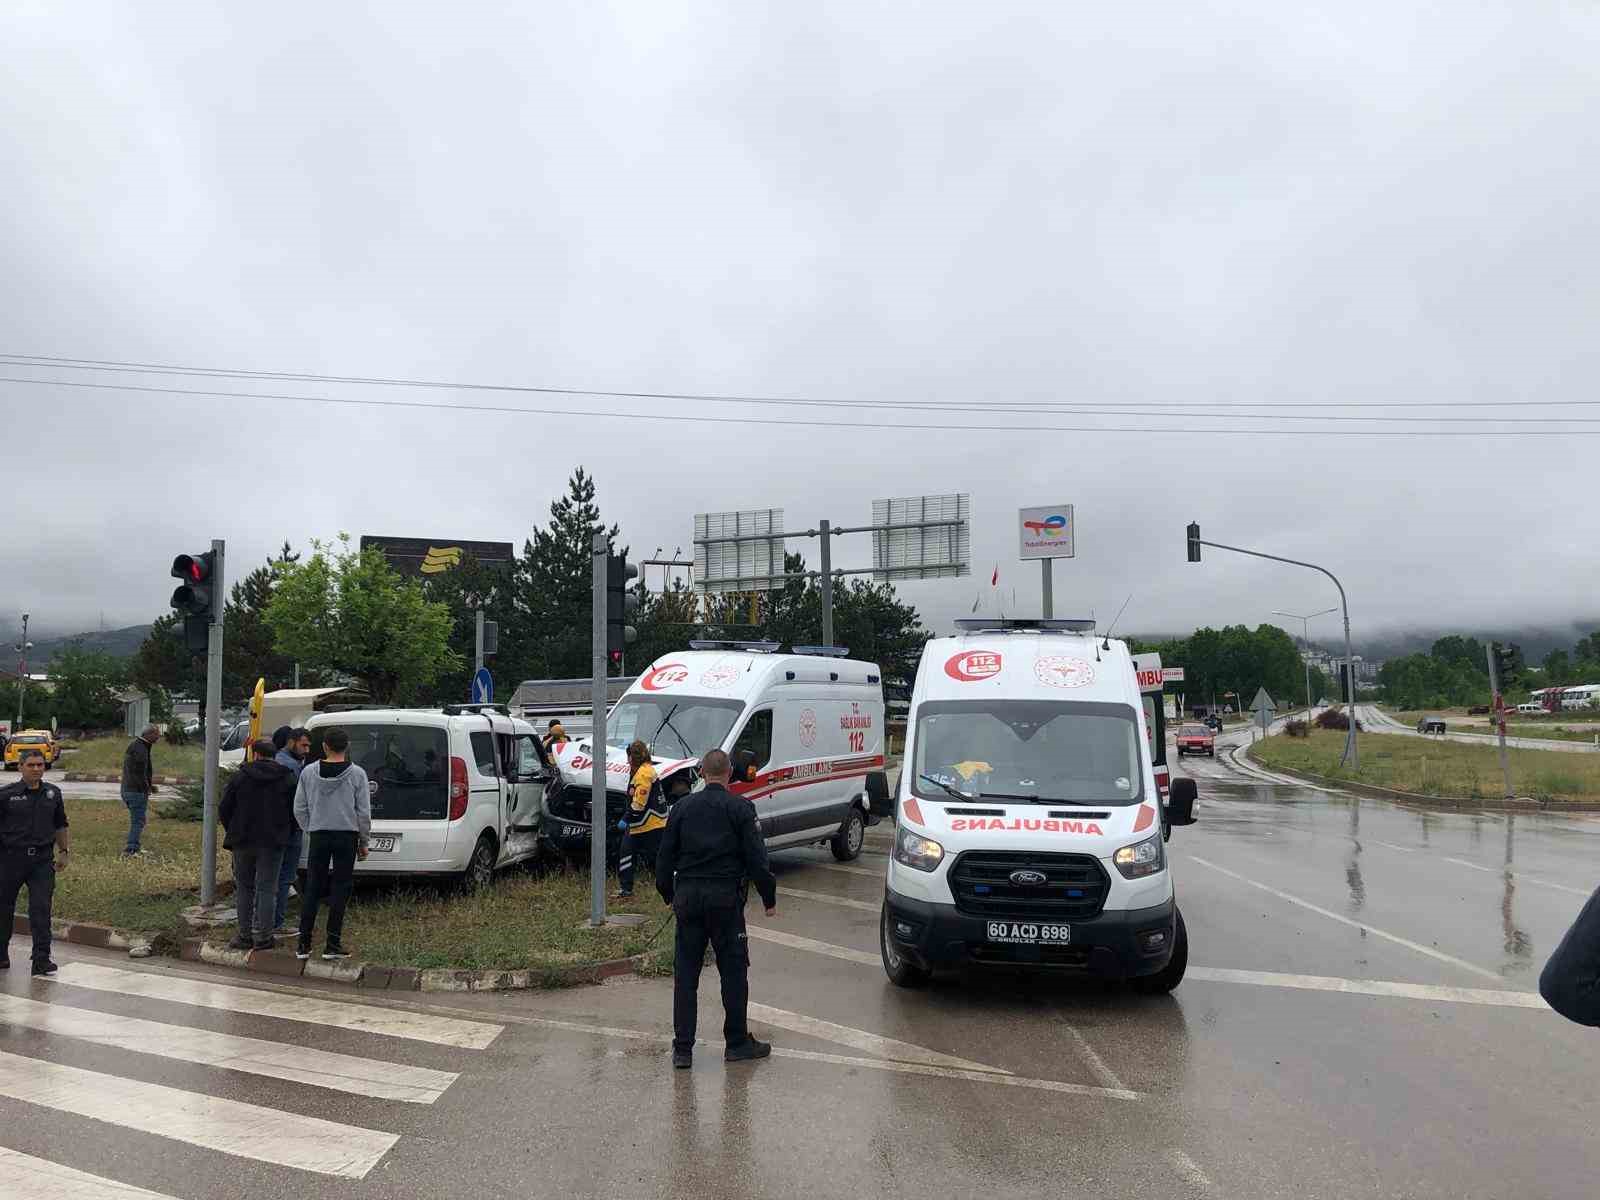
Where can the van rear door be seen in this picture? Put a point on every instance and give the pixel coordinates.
(408, 768)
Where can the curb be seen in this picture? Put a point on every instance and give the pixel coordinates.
(158, 780)
(376, 977)
(81, 933)
(1497, 803)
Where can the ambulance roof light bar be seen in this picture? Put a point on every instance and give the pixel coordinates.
(822, 651)
(748, 647)
(1025, 624)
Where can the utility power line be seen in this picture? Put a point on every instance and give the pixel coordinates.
(834, 426)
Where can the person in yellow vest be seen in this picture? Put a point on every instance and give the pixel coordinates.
(642, 822)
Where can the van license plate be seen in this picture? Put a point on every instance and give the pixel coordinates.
(381, 842)
(1024, 933)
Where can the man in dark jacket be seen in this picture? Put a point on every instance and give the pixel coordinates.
(257, 812)
(1570, 981)
(712, 846)
(138, 775)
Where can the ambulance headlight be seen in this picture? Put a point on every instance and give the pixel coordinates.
(1140, 859)
(919, 853)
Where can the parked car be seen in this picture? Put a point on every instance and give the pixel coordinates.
(1196, 739)
(1431, 725)
(1479, 710)
(1530, 709)
(41, 740)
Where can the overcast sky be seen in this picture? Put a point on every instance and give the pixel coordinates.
(1001, 205)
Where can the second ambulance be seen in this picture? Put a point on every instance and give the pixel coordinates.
(1031, 828)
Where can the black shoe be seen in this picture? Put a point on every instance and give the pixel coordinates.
(747, 1051)
(5, 962)
(302, 949)
(682, 1060)
(240, 943)
(264, 944)
(43, 966)
(334, 951)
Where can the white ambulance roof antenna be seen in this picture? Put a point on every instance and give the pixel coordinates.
(1117, 618)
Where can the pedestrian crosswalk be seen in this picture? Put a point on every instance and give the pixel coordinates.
(58, 1035)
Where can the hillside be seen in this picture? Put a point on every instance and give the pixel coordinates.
(120, 643)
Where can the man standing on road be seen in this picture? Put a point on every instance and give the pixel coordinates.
(138, 775)
(257, 812)
(33, 823)
(333, 805)
(642, 823)
(711, 848)
(292, 753)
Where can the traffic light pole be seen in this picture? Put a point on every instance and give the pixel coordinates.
(599, 819)
(208, 828)
(1499, 717)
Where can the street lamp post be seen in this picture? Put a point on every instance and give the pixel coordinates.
(22, 668)
(1305, 643)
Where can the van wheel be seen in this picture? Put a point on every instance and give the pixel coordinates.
(846, 844)
(480, 867)
(902, 972)
(1171, 975)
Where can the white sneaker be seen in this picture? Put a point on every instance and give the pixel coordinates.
(292, 892)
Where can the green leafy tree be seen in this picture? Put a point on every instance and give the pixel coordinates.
(84, 684)
(248, 650)
(1557, 668)
(462, 590)
(348, 612)
(163, 661)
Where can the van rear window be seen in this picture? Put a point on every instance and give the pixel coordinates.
(410, 765)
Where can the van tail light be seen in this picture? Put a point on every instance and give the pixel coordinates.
(458, 788)
(1163, 780)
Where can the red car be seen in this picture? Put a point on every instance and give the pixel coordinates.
(1196, 739)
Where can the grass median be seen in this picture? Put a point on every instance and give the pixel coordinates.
(103, 756)
(1436, 768)
(526, 921)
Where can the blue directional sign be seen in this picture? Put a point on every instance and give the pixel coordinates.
(482, 686)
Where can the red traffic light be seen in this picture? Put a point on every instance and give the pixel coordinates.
(192, 568)
(196, 595)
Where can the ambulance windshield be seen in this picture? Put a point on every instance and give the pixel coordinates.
(1029, 750)
(672, 726)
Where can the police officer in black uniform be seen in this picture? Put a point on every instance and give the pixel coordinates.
(33, 847)
(711, 848)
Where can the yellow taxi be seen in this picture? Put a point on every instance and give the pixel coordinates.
(41, 740)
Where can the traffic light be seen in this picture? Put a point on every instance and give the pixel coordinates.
(1507, 663)
(1194, 541)
(198, 597)
(621, 603)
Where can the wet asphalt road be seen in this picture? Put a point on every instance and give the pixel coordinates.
(1357, 1022)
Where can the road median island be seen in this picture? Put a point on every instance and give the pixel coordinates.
(1437, 770)
(527, 930)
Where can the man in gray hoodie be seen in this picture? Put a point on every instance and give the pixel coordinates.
(333, 805)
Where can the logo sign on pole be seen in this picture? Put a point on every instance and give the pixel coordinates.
(922, 537)
(424, 556)
(735, 552)
(482, 686)
(1172, 675)
(1047, 532)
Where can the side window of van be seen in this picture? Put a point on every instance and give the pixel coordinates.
(756, 737)
(483, 752)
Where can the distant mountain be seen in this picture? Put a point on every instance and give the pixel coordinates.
(119, 643)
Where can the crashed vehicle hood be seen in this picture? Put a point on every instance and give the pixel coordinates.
(575, 764)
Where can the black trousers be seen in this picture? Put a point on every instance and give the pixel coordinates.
(38, 872)
(330, 872)
(710, 911)
(638, 850)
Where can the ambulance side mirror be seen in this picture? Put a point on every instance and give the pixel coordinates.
(1180, 802)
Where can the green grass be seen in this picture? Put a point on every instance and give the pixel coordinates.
(1437, 768)
(103, 756)
(525, 921)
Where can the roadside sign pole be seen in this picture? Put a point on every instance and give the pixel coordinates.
(1499, 718)
(1047, 586)
(477, 651)
(599, 821)
(208, 827)
(825, 529)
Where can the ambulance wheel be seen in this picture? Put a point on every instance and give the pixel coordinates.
(1171, 975)
(902, 972)
(846, 844)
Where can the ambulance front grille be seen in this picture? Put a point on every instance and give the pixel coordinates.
(1075, 885)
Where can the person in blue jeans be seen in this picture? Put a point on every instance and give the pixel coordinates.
(293, 748)
(138, 782)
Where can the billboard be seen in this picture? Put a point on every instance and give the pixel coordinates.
(922, 537)
(735, 552)
(1049, 532)
(434, 556)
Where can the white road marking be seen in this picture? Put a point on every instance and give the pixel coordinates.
(311, 1008)
(1439, 955)
(276, 1060)
(840, 901)
(1392, 846)
(39, 1179)
(1097, 1065)
(872, 1043)
(227, 1126)
(812, 946)
(901, 1068)
(1519, 877)
(1369, 987)
(1189, 1171)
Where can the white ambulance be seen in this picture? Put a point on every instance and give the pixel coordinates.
(1031, 828)
(804, 731)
